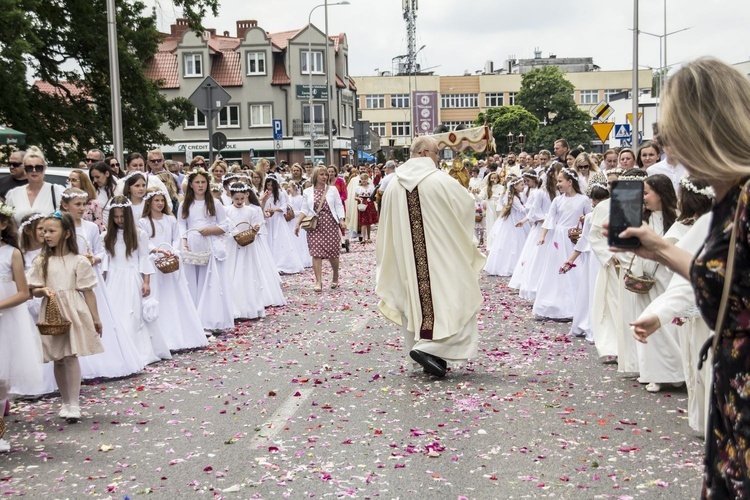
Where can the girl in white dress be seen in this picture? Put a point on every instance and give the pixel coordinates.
(202, 224)
(127, 272)
(528, 271)
(508, 236)
(589, 265)
(490, 194)
(262, 261)
(59, 270)
(246, 286)
(120, 357)
(281, 239)
(105, 184)
(296, 202)
(555, 298)
(178, 318)
(20, 360)
(134, 189)
(659, 361)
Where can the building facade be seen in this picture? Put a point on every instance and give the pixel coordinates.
(269, 77)
(400, 107)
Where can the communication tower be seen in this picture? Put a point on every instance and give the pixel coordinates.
(410, 16)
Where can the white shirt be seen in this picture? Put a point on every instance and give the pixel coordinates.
(43, 203)
(675, 173)
(386, 180)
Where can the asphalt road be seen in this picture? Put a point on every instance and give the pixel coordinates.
(317, 400)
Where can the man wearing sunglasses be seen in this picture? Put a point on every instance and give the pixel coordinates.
(17, 175)
(93, 156)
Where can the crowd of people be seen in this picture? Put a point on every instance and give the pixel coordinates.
(127, 266)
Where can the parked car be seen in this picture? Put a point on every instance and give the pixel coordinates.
(55, 175)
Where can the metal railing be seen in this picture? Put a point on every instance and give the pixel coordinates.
(302, 129)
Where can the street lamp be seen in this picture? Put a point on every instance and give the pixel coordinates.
(511, 139)
(521, 140)
(309, 72)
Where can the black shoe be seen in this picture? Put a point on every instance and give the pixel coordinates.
(431, 364)
(346, 245)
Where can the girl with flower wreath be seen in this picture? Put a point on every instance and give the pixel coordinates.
(508, 237)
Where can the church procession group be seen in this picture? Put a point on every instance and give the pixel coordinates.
(127, 267)
(541, 217)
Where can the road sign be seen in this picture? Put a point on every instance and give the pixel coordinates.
(629, 116)
(351, 153)
(627, 142)
(278, 144)
(219, 141)
(277, 132)
(603, 129)
(210, 98)
(601, 111)
(622, 131)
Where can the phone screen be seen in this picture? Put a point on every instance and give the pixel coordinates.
(626, 210)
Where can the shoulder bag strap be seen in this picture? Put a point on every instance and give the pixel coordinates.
(322, 199)
(54, 198)
(729, 274)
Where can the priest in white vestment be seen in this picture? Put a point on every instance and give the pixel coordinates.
(428, 263)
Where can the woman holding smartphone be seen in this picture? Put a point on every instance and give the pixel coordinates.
(711, 138)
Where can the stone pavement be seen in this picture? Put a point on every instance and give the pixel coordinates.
(318, 400)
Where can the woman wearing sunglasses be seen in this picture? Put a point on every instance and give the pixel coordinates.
(37, 195)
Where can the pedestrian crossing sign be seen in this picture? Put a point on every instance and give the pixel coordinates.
(623, 131)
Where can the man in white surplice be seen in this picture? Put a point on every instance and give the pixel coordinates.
(428, 263)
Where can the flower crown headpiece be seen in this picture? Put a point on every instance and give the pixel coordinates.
(31, 220)
(571, 173)
(614, 171)
(630, 178)
(151, 194)
(199, 171)
(597, 184)
(708, 191)
(133, 173)
(216, 188)
(6, 210)
(125, 204)
(70, 196)
(530, 175)
(516, 181)
(239, 187)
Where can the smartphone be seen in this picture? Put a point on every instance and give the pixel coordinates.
(626, 210)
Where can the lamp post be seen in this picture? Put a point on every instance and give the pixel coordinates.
(521, 140)
(511, 139)
(328, 122)
(309, 72)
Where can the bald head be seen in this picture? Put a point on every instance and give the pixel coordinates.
(423, 143)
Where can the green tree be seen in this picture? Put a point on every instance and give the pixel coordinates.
(656, 81)
(548, 95)
(65, 45)
(510, 119)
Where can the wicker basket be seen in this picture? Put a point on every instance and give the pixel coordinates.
(196, 258)
(2, 426)
(288, 215)
(167, 264)
(54, 324)
(478, 217)
(638, 284)
(244, 238)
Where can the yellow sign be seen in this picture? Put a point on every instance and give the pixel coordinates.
(603, 129)
(629, 116)
(601, 111)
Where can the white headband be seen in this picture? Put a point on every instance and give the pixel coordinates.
(239, 187)
(69, 196)
(151, 194)
(708, 191)
(571, 173)
(29, 220)
(125, 204)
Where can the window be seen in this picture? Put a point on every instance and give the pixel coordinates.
(589, 96)
(229, 117)
(459, 101)
(493, 99)
(313, 60)
(256, 63)
(347, 116)
(511, 98)
(400, 100)
(198, 120)
(193, 65)
(378, 128)
(260, 115)
(609, 93)
(453, 125)
(400, 129)
(373, 101)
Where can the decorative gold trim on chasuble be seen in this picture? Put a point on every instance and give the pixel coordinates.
(420, 261)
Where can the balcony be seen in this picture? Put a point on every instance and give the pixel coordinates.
(302, 129)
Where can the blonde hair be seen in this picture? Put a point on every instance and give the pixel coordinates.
(167, 179)
(705, 120)
(314, 175)
(86, 183)
(582, 157)
(34, 152)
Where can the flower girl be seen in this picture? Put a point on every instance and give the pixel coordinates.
(262, 261)
(178, 318)
(507, 236)
(20, 361)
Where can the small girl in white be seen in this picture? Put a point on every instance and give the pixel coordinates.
(59, 270)
(127, 271)
(134, 189)
(296, 202)
(178, 318)
(120, 357)
(203, 222)
(555, 298)
(19, 357)
(262, 261)
(507, 236)
(247, 296)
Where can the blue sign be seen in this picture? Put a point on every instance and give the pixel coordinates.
(627, 142)
(277, 133)
(623, 131)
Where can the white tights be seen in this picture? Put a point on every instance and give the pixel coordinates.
(68, 378)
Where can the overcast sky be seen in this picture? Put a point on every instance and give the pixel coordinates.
(462, 36)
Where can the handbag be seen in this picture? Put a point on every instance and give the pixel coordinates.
(310, 222)
(639, 284)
